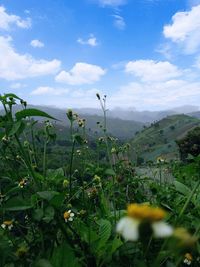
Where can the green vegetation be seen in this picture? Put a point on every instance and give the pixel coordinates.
(190, 144)
(159, 139)
(86, 204)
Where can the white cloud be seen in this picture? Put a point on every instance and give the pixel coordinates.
(193, 2)
(7, 20)
(197, 63)
(92, 41)
(46, 90)
(150, 70)
(165, 50)
(16, 85)
(119, 22)
(157, 95)
(15, 66)
(81, 73)
(65, 98)
(184, 30)
(36, 43)
(112, 3)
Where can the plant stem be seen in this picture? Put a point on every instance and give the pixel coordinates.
(44, 158)
(29, 167)
(70, 168)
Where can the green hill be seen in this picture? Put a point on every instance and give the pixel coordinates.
(122, 129)
(158, 140)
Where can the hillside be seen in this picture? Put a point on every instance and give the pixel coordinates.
(159, 138)
(122, 129)
(195, 114)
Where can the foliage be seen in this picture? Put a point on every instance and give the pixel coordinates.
(61, 207)
(159, 139)
(190, 144)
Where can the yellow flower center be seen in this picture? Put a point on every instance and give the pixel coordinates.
(22, 182)
(188, 256)
(66, 215)
(7, 223)
(145, 212)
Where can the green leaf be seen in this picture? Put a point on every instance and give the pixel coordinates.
(12, 95)
(116, 243)
(55, 174)
(110, 172)
(47, 195)
(18, 127)
(64, 256)
(181, 188)
(43, 263)
(16, 204)
(104, 232)
(87, 234)
(32, 112)
(78, 139)
(49, 214)
(57, 200)
(38, 214)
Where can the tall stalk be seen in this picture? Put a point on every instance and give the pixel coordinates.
(112, 192)
(70, 168)
(103, 107)
(44, 157)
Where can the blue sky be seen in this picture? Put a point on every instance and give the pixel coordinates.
(142, 54)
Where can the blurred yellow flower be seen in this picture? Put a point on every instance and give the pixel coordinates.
(138, 214)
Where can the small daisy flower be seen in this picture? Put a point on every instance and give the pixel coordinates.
(78, 151)
(142, 214)
(82, 213)
(101, 139)
(113, 150)
(22, 183)
(97, 180)
(7, 225)
(5, 139)
(188, 259)
(81, 123)
(68, 216)
(160, 160)
(92, 192)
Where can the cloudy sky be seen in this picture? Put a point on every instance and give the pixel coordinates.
(140, 53)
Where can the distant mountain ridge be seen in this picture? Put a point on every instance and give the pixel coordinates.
(121, 123)
(122, 129)
(141, 116)
(132, 114)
